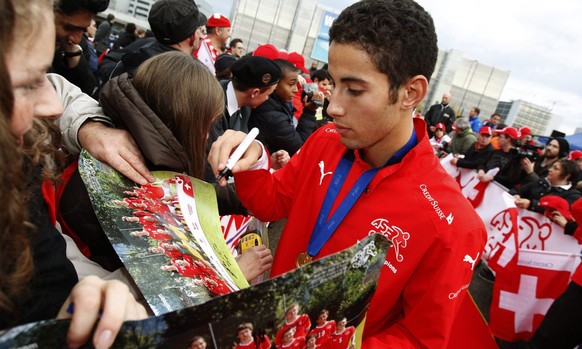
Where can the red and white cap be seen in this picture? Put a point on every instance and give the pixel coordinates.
(486, 130)
(218, 21)
(524, 131)
(268, 51)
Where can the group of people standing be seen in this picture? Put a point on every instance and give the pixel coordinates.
(296, 332)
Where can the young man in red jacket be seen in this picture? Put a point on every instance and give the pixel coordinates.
(373, 171)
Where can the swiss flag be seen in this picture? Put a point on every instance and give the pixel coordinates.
(186, 184)
(524, 291)
(472, 188)
(205, 56)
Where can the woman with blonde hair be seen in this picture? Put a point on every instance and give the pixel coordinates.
(36, 278)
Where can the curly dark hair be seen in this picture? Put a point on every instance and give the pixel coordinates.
(398, 35)
(69, 7)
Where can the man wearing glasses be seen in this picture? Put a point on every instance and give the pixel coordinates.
(237, 48)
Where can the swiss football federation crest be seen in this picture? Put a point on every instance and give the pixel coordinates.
(393, 233)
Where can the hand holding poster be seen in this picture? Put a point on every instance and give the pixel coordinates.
(166, 233)
(342, 283)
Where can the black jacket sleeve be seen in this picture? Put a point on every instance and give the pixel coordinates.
(81, 75)
(278, 132)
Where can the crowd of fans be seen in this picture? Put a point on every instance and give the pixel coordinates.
(544, 178)
(510, 156)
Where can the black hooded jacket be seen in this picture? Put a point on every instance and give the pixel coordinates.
(274, 120)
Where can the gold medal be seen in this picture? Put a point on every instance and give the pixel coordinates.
(303, 258)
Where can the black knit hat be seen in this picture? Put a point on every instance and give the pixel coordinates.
(224, 61)
(255, 71)
(172, 21)
(564, 146)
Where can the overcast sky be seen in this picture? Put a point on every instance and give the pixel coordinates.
(540, 42)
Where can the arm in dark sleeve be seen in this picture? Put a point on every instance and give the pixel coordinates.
(80, 75)
(532, 192)
(429, 116)
(306, 124)
(535, 206)
(570, 228)
(278, 132)
(228, 202)
(448, 121)
(470, 160)
(483, 165)
(524, 191)
(473, 159)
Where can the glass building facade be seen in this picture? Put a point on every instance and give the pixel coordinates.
(521, 113)
(470, 82)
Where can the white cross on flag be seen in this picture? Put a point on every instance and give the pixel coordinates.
(524, 291)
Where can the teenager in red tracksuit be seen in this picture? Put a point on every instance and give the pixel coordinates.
(323, 328)
(244, 333)
(290, 342)
(342, 337)
(300, 323)
(411, 200)
(311, 342)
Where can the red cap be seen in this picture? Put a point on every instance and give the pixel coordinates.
(552, 203)
(524, 131)
(510, 132)
(485, 130)
(441, 126)
(575, 155)
(283, 55)
(268, 51)
(577, 215)
(218, 21)
(298, 61)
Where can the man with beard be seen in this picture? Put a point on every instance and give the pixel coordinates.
(557, 148)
